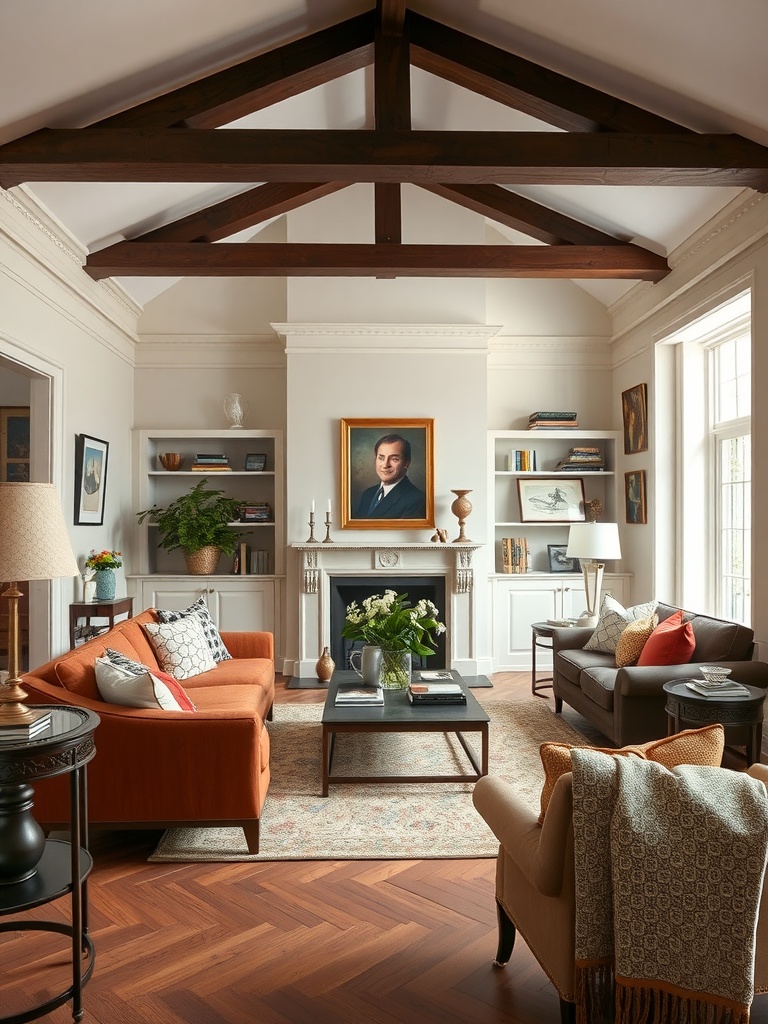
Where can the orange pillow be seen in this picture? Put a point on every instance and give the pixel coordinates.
(633, 639)
(692, 746)
(671, 643)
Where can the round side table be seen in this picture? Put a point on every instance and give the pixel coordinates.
(540, 631)
(687, 709)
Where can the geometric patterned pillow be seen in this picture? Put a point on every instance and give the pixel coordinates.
(123, 661)
(632, 640)
(614, 619)
(212, 635)
(181, 647)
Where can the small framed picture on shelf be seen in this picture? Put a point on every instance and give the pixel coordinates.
(559, 560)
(634, 492)
(552, 500)
(255, 463)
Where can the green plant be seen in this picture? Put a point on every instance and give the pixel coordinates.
(196, 520)
(391, 623)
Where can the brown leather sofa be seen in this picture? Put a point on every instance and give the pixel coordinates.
(627, 704)
(164, 769)
(535, 882)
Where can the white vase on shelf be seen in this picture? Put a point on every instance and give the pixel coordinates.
(234, 409)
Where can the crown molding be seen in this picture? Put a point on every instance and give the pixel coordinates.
(307, 338)
(202, 351)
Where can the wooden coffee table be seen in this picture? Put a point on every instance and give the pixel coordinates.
(399, 715)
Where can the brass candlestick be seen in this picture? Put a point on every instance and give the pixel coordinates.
(327, 539)
(311, 539)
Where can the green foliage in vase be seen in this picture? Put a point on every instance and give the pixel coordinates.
(391, 623)
(196, 520)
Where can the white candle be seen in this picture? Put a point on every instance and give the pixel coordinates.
(329, 506)
(313, 506)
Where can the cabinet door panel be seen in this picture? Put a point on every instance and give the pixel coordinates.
(516, 607)
(243, 605)
(173, 594)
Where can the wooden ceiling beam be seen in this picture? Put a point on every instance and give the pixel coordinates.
(254, 259)
(391, 107)
(522, 214)
(176, 154)
(530, 88)
(246, 210)
(227, 95)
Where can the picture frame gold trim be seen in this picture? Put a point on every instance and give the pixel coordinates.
(634, 497)
(358, 440)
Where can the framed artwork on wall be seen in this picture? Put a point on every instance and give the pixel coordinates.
(551, 500)
(387, 474)
(14, 444)
(634, 411)
(90, 479)
(634, 492)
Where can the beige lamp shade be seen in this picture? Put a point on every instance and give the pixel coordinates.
(594, 541)
(34, 543)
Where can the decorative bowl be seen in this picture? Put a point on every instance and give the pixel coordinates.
(171, 461)
(714, 673)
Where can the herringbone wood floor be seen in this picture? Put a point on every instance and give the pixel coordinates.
(298, 942)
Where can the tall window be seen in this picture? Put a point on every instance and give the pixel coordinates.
(730, 375)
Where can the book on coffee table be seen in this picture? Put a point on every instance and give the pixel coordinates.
(357, 695)
(436, 693)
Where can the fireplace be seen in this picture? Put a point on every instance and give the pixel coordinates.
(345, 589)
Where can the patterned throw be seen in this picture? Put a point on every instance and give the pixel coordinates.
(669, 873)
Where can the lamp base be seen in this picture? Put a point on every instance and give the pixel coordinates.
(585, 619)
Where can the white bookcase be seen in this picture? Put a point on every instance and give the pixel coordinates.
(245, 601)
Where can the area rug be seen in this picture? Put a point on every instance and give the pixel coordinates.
(392, 821)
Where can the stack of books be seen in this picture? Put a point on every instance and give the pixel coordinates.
(579, 459)
(436, 693)
(552, 420)
(521, 461)
(256, 512)
(216, 463)
(352, 695)
(27, 730)
(515, 555)
(728, 688)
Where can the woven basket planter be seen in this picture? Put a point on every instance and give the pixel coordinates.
(204, 562)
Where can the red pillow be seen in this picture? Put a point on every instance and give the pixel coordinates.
(671, 643)
(176, 689)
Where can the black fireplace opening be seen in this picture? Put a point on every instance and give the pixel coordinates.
(345, 590)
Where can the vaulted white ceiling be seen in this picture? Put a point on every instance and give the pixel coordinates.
(699, 63)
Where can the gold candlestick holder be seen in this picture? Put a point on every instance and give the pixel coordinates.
(311, 539)
(327, 539)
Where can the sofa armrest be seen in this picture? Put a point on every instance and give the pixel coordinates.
(538, 850)
(648, 680)
(570, 638)
(249, 644)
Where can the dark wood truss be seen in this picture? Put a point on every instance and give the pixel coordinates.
(174, 137)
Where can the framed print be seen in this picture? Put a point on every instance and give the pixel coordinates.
(551, 500)
(90, 480)
(255, 463)
(559, 560)
(634, 411)
(387, 474)
(634, 492)
(14, 444)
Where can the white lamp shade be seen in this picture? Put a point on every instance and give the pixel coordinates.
(593, 541)
(34, 543)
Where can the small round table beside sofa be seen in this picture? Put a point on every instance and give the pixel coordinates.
(740, 715)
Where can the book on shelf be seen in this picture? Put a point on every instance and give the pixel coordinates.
(552, 414)
(553, 425)
(27, 730)
(521, 461)
(515, 555)
(436, 693)
(358, 695)
(256, 512)
(260, 563)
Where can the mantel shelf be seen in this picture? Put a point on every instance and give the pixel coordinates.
(386, 545)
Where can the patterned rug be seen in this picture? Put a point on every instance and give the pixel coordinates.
(369, 822)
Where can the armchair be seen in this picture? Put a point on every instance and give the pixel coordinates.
(535, 882)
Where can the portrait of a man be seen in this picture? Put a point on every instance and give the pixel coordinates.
(387, 474)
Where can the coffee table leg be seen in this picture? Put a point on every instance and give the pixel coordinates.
(326, 758)
(484, 744)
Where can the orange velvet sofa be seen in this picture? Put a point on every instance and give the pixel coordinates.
(165, 769)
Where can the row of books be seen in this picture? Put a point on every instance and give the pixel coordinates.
(581, 458)
(247, 562)
(515, 555)
(521, 461)
(211, 463)
(552, 420)
(256, 512)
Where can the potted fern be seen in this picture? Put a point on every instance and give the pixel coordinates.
(198, 524)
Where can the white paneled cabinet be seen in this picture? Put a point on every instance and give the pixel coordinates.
(234, 604)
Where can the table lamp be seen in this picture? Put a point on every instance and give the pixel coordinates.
(34, 545)
(593, 544)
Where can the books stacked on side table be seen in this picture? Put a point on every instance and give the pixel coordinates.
(727, 688)
(354, 695)
(424, 693)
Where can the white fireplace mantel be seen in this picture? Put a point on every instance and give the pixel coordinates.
(371, 561)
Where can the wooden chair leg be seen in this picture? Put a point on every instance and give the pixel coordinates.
(251, 829)
(558, 705)
(507, 934)
(567, 1012)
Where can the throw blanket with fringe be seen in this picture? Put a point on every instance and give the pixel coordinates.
(669, 874)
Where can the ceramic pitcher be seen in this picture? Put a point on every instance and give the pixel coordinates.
(367, 664)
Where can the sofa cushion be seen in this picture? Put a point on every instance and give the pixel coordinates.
(720, 640)
(692, 746)
(633, 639)
(613, 620)
(671, 643)
(212, 635)
(571, 663)
(181, 647)
(597, 683)
(137, 669)
(119, 684)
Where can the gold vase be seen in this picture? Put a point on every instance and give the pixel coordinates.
(204, 561)
(461, 508)
(325, 666)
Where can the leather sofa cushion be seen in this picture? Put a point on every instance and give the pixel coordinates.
(716, 639)
(598, 683)
(571, 663)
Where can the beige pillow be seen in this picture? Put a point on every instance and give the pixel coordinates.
(614, 619)
(692, 746)
(632, 640)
